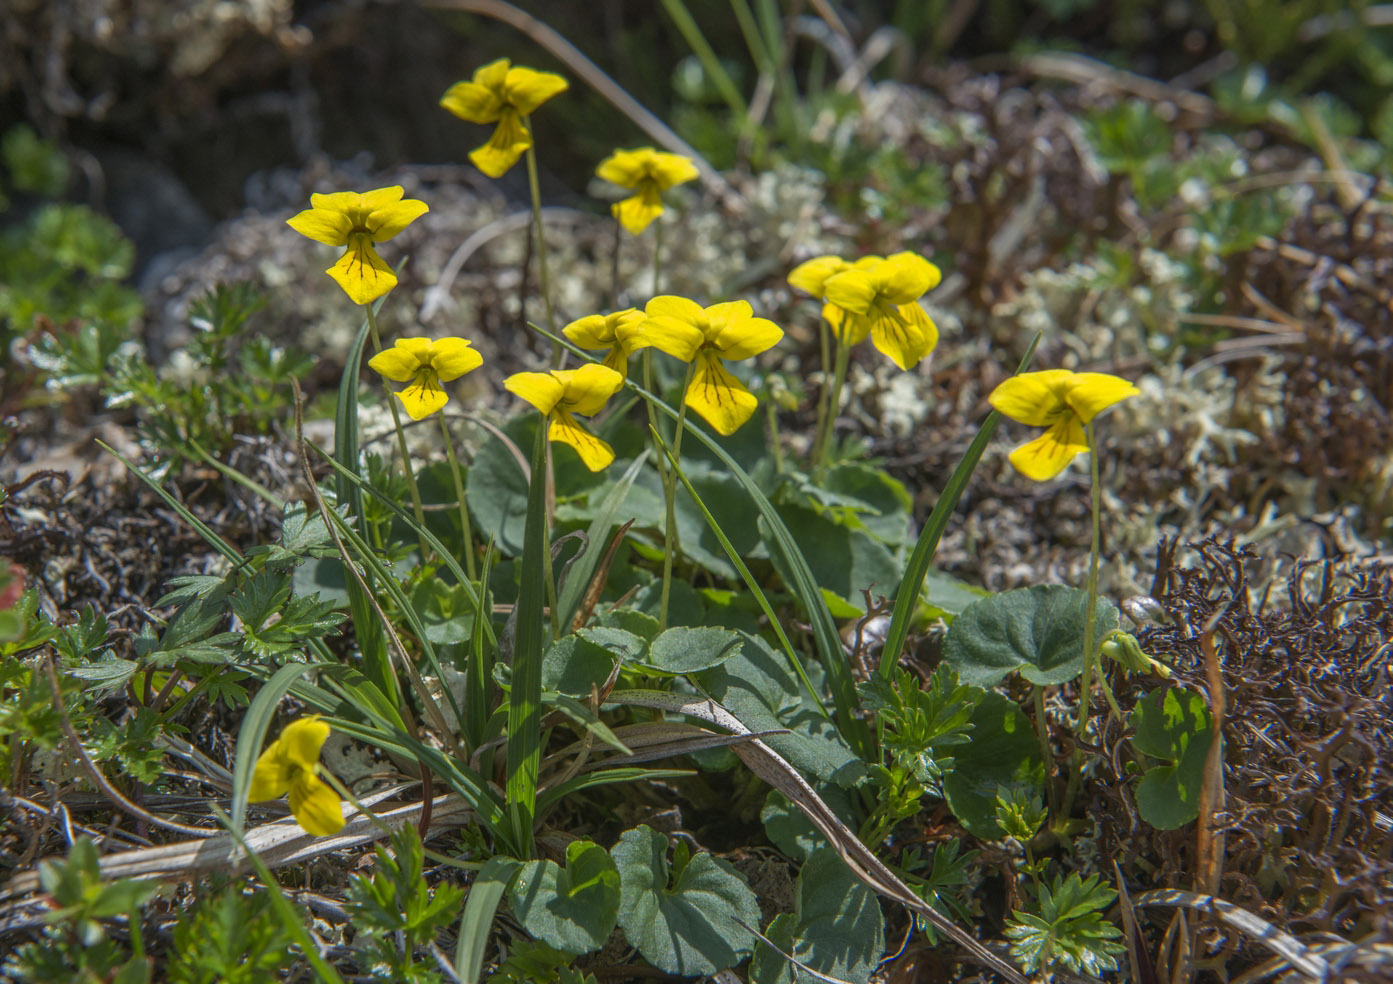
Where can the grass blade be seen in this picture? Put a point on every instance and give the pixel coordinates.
(907, 595)
(578, 578)
(252, 734)
(484, 895)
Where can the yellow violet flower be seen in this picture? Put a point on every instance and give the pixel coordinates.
(358, 221)
(648, 172)
(600, 331)
(1063, 402)
(559, 394)
(502, 93)
(288, 766)
(705, 336)
(876, 296)
(425, 365)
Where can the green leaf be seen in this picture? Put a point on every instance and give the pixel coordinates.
(446, 610)
(1069, 929)
(836, 927)
(1003, 753)
(497, 491)
(789, 828)
(484, 895)
(842, 560)
(1037, 631)
(573, 908)
(573, 664)
(1174, 726)
(34, 164)
(684, 649)
(683, 925)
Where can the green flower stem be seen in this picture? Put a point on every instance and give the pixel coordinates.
(1042, 728)
(1090, 627)
(670, 544)
(657, 255)
(834, 403)
(416, 509)
(548, 515)
(468, 533)
(775, 444)
(543, 275)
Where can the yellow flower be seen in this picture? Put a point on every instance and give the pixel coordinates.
(1063, 402)
(288, 766)
(599, 331)
(562, 392)
(425, 364)
(347, 218)
(685, 329)
(504, 95)
(648, 172)
(876, 296)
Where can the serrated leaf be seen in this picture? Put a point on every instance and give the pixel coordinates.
(1037, 631)
(572, 908)
(687, 927)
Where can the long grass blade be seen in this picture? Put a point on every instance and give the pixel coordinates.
(578, 577)
(907, 594)
(252, 734)
(525, 696)
(484, 895)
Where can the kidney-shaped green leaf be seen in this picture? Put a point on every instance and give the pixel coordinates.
(573, 908)
(688, 649)
(836, 927)
(1003, 753)
(688, 927)
(1037, 630)
(1174, 726)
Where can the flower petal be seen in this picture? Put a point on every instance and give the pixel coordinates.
(852, 289)
(541, 389)
(811, 275)
(720, 398)
(637, 213)
(906, 277)
(587, 388)
(670, 170)
(1093, 392)
(1050, 453)
(424, 396)
(271, 776)
(509, 141)
(336, 201)
(302, 739)
(387, 221)
(371, 201)
(526, 88)
(323, 225)
(473, 102)
(595, 453)
(849, 327)
(672, 306)
(617, 360)
(361, 273)
(1034, 398)
(624, 168)
(903, 338)
(675, 336)
(746, 337)
(398, 363)
(315, 805)
(590, 332)
(453, 357)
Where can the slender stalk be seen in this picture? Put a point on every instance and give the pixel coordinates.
(467, 533)
(834, 403)
(1042, 728)
(548, 514)
(416, 509)
(1090, 627)
(775, 444)
(657, 255)
(543, 275)
(670, 544)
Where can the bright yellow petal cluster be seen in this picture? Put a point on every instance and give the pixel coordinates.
(692, 333)
(425, 364)
(288, 766)
(648, 173)
(502, 93)
(1062, 402)
(601, 331)
(561, 393)
(357, 221)
(876, 296)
